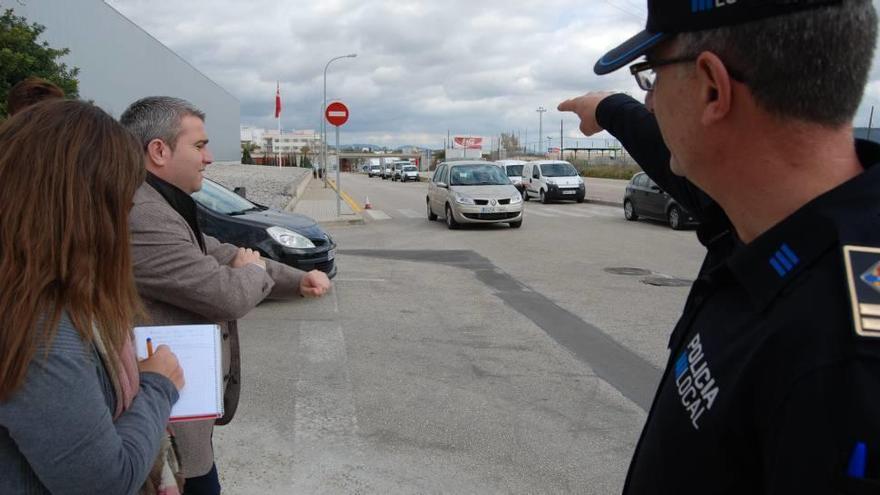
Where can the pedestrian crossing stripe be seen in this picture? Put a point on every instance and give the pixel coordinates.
(411, 213)
(539, 213)
(567, 213)
(377, 215)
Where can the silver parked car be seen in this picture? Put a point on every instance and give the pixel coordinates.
(473, 192)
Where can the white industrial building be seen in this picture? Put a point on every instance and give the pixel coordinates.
(290, 141)
(119, 63)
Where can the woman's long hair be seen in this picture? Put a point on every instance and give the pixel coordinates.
(68, 173)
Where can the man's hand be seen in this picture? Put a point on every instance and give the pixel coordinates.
(585, 108)
(164, 362)
(246, 256)
(314, 284)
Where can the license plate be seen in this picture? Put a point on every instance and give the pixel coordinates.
(568, 192)
(331, 255)
(487, 210)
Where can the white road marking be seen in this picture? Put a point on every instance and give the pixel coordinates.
(411, 213)
(607, 211)
(535, 211)
(567, 213)
(325, 415)
(377, 214)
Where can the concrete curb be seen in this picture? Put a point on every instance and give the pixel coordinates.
(342, 222)
(298, 191)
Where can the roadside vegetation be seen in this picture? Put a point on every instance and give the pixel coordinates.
(23, 55)
(623, 170)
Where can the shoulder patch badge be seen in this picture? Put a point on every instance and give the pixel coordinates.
(863, 278)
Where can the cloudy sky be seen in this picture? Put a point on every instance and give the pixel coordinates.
(423, 67)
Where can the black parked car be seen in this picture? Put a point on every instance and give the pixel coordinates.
(289, 238)
(644, 198)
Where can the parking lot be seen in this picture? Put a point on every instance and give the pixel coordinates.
(480, 360)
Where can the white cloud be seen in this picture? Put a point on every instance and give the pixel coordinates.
(423, 67)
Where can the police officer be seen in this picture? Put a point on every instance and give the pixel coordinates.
(773, 381)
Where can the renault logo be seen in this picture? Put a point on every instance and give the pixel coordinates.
(494, 202)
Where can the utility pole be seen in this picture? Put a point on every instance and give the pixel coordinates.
(540, 111)
(560, 140)
(870, 122)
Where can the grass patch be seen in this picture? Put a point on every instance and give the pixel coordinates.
(624, 172)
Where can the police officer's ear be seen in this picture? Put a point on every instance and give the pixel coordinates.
(715, 88)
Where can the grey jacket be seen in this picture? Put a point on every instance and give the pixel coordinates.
(57, 434)
(179, 284)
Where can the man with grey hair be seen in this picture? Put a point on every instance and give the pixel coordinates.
(186, 277)
(773, 381)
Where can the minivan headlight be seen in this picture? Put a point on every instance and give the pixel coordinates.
(516, 198)
(464, 200)
(289, 238)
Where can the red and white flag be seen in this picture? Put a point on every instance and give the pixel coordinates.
(278, 100)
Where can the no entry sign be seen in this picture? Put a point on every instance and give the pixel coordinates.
(336, 113)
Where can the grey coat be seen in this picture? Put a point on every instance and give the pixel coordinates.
(179, 284)
(57, 434)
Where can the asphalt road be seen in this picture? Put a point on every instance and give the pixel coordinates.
(482, 360)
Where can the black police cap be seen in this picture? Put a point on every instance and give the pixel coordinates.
(668, 17)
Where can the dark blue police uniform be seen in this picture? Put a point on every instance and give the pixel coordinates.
(773, 379)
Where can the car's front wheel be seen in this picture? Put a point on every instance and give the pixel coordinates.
(629, 211)
(543, 197)
(431, 215)
(450, 219)
(525, 194)
(674, 217)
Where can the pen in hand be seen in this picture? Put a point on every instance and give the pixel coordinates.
(149, 347)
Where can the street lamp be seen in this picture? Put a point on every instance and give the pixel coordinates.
(324, 118)
(540, 111)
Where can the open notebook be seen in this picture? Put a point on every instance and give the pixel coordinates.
(198, 348)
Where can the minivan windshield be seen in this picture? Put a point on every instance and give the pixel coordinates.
(558, 170)
(222, 200)
(410, 168)
(477, 175)
(514, 170)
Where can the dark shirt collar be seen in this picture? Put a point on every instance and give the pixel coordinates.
(765, 266)
(182, 203)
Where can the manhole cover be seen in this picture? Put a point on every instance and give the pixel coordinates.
(626, 270)
(667, 282)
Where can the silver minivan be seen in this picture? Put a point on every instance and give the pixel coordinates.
(473, 192)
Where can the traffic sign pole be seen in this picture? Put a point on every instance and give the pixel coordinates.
(338, 178)
(336, 113)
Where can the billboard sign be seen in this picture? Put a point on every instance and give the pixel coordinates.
(467, 142)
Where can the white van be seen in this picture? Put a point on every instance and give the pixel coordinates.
(513, 170)
(552, 179)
